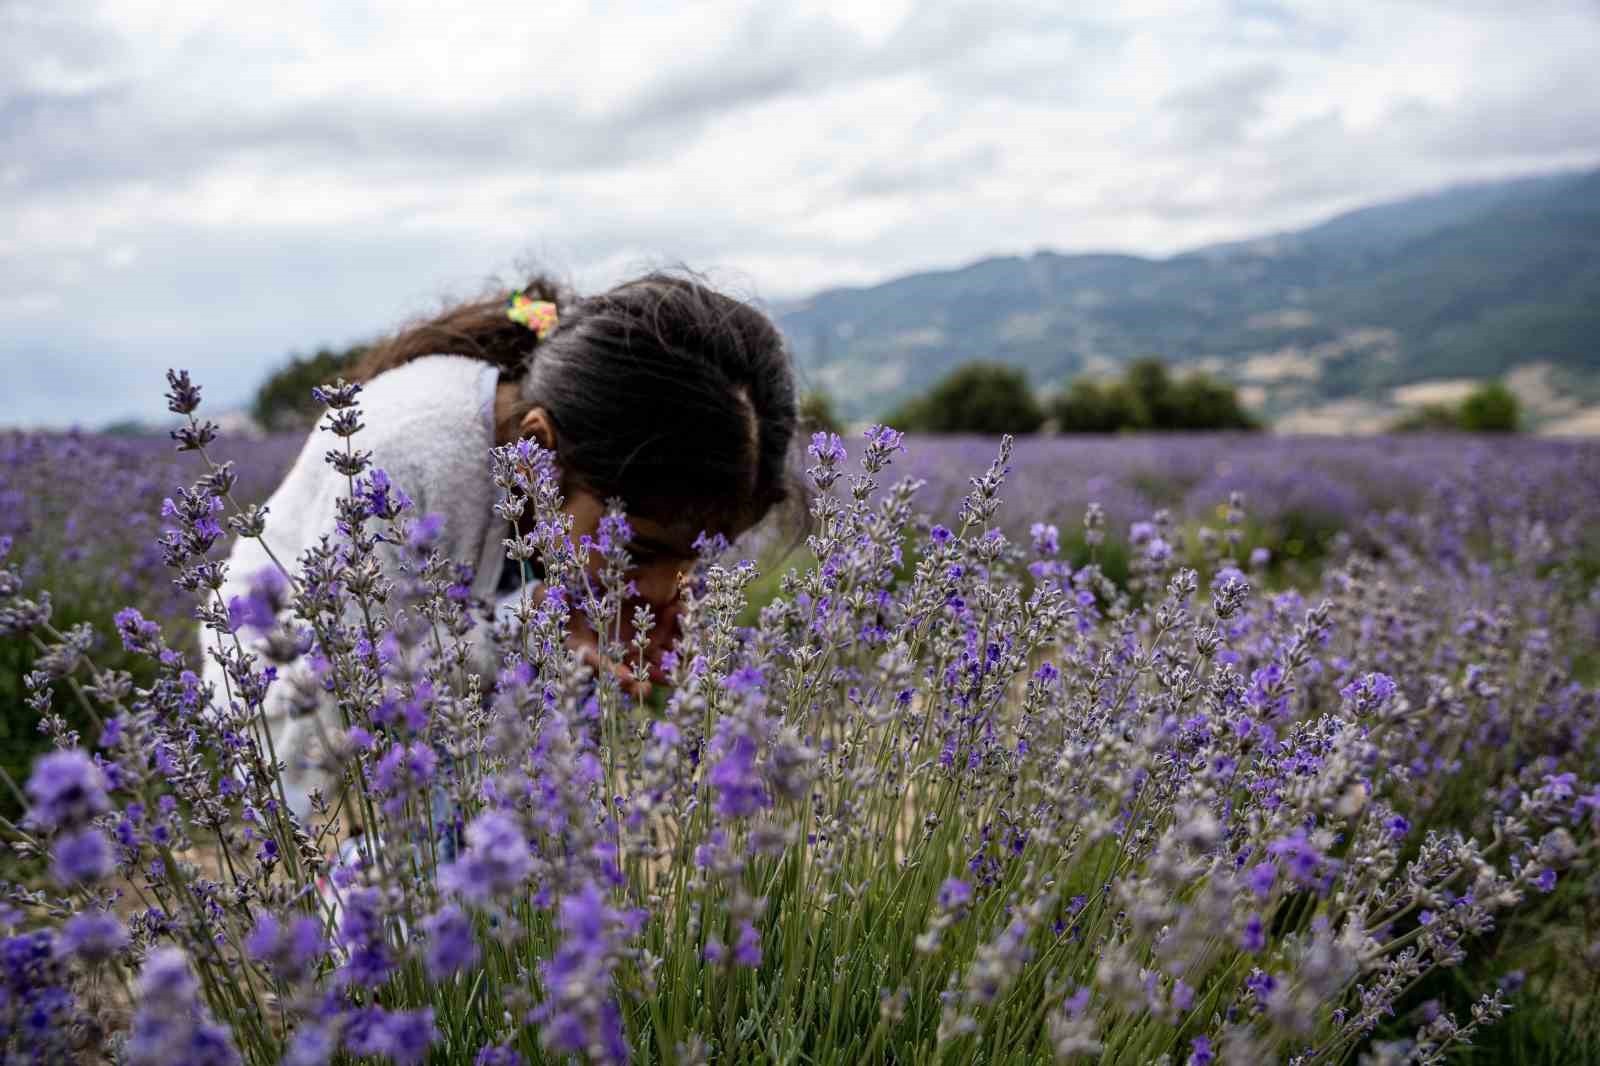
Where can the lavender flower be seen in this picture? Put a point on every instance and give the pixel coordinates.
(290, 949)
(93, 936)
(66, 790)
(496, 861)
(171, 1027)
(81, 857)
(451, 944)
(401, 1036)
(364, 938)
(580, 1013)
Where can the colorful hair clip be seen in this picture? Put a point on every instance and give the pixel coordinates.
(537, 315)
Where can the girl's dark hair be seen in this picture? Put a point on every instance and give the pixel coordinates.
(674, 397)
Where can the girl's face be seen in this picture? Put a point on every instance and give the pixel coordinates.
(660, 555)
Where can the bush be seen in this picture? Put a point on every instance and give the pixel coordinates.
(1148, 398)
(284, 400)
(1492, 408)
(1089, 407)
(1489, 408)
(817, 413)
(980, 397)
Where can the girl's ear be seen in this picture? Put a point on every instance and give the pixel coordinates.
(536, 424)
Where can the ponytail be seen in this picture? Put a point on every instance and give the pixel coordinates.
(477, 329)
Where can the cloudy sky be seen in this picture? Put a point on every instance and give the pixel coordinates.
(214, 185)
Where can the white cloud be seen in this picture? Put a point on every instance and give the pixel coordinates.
(224, 182)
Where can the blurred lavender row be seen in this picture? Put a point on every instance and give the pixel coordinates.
(84, 509)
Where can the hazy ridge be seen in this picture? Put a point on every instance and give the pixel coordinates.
(1344, 322)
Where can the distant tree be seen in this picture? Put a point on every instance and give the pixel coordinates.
(817, 413)
(1149, 398)
(284, 400)
(1429, 418)
(128, 427)
(1148, 387)
(979, 397)
(1088, 406)
(1491, 408)
(1200, 401)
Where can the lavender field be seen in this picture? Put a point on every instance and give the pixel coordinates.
(1178, 749)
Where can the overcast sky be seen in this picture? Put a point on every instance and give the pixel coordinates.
(214, 185)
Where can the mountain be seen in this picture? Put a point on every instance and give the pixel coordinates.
(1375, 309)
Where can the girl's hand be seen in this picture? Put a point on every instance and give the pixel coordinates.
(586, 642)
(582, 638)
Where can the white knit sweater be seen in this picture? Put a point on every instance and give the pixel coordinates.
(430, 425)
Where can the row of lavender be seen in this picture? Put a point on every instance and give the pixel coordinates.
(84, 510)
(955, 796)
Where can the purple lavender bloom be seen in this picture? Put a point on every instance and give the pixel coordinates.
(1046, 539)
(36, 1004)
(580, 1012)
(1398, 827)
(452, 945)
(496, 861)
(289, 950)
(171, 1027)
(401, 772)
(884, 438)
(65, 790)
(93, 936)
(1254, 935)
(747, 680)
(362, 935)
(954, 894)
(1303, 859)
(81, 857)
(425, 531)
(1260, 985)
(1369, 693)
(1262, 876)
(138, 634)
(403, 1036)
(258, 610)
(1200, 1052)
(499, 1055)
(1182, 995)
(740, 792)
(311, 1045)
(747, 951)
(827, 448)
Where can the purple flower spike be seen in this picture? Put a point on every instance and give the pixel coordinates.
(496, 861)
(452, 946)
(94, 936)
(66, 790)
(81, 857)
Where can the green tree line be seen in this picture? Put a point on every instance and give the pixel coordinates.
(987, 397)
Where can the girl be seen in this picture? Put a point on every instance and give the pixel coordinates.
(673, 397)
